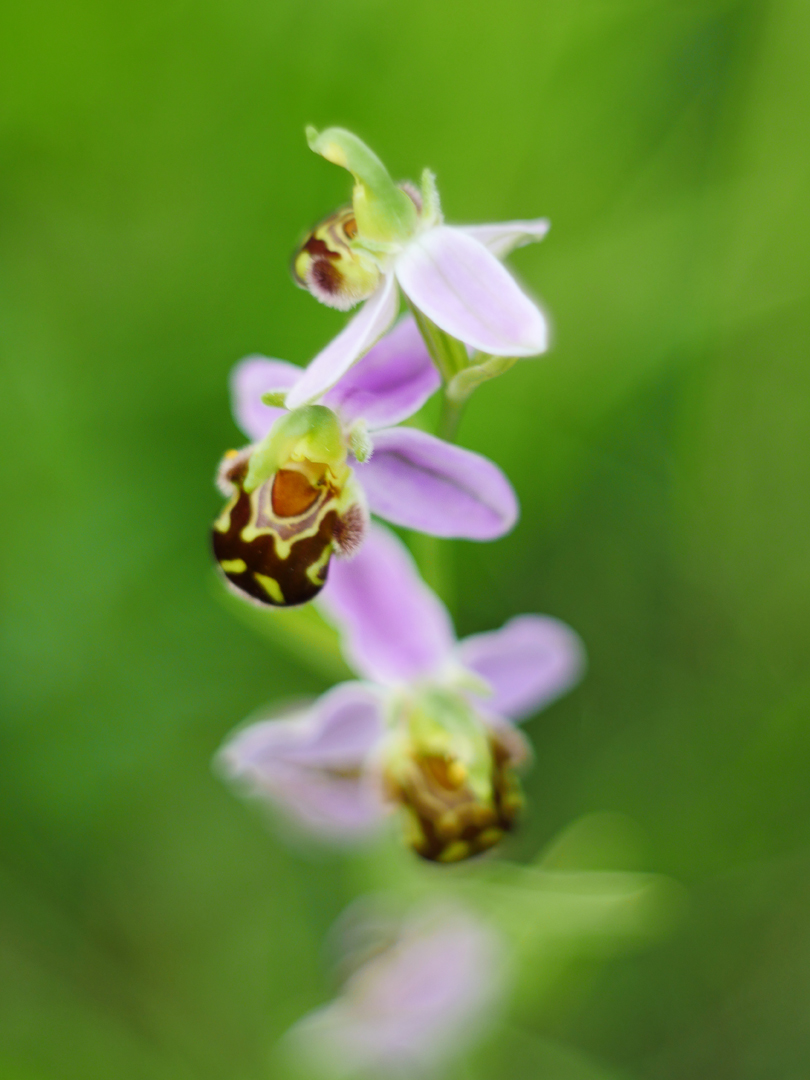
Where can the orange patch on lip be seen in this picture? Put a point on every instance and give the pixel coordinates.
(292, 494)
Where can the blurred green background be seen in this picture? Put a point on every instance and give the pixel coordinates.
(155, 179)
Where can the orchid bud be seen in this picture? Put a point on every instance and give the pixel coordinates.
(453, 775)
(331, 268)
(385, 214)
(293, 501)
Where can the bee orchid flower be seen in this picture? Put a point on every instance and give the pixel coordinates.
(431, 726)
(394, 236)
(304, 487)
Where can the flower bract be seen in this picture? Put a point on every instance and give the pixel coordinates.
(430, 727)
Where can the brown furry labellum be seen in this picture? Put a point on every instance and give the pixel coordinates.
(274, 544)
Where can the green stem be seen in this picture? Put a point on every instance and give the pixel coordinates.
(449, 418)
(435, 559)
(448, 354)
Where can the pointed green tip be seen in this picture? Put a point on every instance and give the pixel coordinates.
(312, 136)
(384, 212)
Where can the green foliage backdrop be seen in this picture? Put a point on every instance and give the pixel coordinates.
(155, 179)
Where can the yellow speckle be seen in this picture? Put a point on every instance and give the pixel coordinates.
(223, 522)
(271, 587)
(234, 566)
(489, 837)
(455, 852)
(456, 773)
(315, 571)
(231, 453)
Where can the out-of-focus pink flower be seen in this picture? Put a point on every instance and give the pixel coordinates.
(421, 1000)
(433, 718)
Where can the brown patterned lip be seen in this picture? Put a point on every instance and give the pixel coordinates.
(447, 821)
(318, 248)
(291, 574)
(326, 276)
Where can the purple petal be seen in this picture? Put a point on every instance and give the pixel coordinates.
(252, 377)
(311, 765)
(413, 1004)
(393, 627)
(367, 326)
(504, 237)
(420, 482)
(463, 288)
(530, 661)
(390, 383)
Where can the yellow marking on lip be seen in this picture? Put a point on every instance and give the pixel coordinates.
(234, 566)
(270, 586)
(490, 837)
(314, 571)
(455, 852)
(456, 773)
(283, 547)
(223, 522)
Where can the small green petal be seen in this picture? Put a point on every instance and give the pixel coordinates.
(462, 384)
(431, 206)
(360, 442)
(384, 213)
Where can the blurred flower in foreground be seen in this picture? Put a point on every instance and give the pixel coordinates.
(430, 730)
(395, 235)
(423, 996)
(301, 491)
(420, 990)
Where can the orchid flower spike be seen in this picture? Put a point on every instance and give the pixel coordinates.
(426, 988)
(431, 727)
(394, 234)
(303, 489)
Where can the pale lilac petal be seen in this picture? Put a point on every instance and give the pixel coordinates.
(463, 288)
(530, 661)
(505, 236)
(393, 627)
(252, 377)
(420, 482)
(367, 327)
(310, 765)
(414, 1004)
(391, 382)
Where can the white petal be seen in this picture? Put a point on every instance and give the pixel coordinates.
(505, 236)
(367, 326)
(463, 288)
